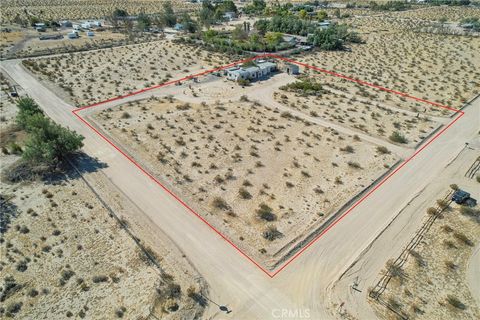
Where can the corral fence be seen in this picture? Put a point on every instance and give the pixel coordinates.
(472, 171)
(381, 286)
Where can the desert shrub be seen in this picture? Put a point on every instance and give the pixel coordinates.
(272, 233)
(454, 302)
(304, 85)
(463, 238)
(398, 137)
(443, 204)
(354, 165)
(173, 290)
(99, 279)
(220, 203)
(244, 194)
(383, 150)
(266, 213)
(432, 211)
(184, 106)
(348, 149)
(14, 308)
(454, 187)
(126, 115)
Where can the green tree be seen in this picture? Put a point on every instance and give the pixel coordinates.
(48, 143)
(168, 15)
(322, 15)
(143, 22)
(302, 14)
(273, 39)
(27, 108)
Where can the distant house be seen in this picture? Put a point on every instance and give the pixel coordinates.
(90, 33)
(229, 16)
(91, 24)
(65, 24)
(72, 35)
(40, 27)
(290, 40)
(324, 24)
(178, 27)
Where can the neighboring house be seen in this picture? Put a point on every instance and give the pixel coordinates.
(65, 24)
(90, 33)
(290, 40)
(229, 16)
(40, 27)
(91, 24)
(324, 24)
(72, 35)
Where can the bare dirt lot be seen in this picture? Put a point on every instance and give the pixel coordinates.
(361, 108)
(65, 254)
(253, 171)
(432, 284)
(98, 75)
(397, 55)
(25, 42)
(83, 9)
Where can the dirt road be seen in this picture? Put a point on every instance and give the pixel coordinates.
(234, 281)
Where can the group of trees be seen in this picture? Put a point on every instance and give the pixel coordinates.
(241, 40)
(210, 14)
(450, 2)
(389, 6)
(166, 18)
(47, 143)
(332, 38)
(257, 7)
(475, 22)
(285, 24)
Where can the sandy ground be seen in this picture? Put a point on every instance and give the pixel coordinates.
(64, 254)
(473, 269)
(120, 70)
(367, 115)
(305, 283)
(24, 42)
(246, 155)
(399, 57)
(83, 9)
(436, 273)
(365, 271)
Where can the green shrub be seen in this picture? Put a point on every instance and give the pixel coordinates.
(398, 137)
(272, 233)
(266, 213)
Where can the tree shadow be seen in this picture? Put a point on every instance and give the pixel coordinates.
(8, 211)
(69, 168)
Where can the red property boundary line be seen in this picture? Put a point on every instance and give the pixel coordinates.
(291, 259)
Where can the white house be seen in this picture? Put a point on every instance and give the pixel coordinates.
(260, 70)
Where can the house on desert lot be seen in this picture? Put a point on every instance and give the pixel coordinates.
(254, 72)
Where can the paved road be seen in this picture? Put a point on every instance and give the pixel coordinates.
(233, 280)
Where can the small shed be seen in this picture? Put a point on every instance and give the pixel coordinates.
(290, 68)
(72, 35)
